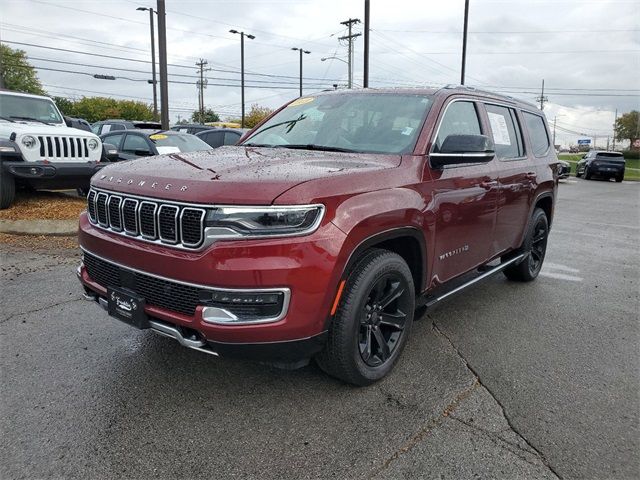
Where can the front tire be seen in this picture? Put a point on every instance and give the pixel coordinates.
(373, 320)
(535, 245)
(619, 178)
(587, 175)
(7, 190)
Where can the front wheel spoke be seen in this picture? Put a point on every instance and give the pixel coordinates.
(395, 293)
(366, 354)
(395, 320)
(539, 238)
(536, 255)
(383, 351)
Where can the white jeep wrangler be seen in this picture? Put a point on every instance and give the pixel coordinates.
(38, 150)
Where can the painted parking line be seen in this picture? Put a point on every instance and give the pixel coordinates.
(560, 272)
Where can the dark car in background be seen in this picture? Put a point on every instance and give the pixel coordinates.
(564, 169)
(105, 126)
(191, 128)
(217, 137)
(602, 164)
(144, 143)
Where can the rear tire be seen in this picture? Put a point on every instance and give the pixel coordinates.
(619, 178)
(7, 190)
(373, 320)
(535, 245)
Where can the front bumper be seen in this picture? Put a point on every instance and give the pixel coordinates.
(308, 267)
(52, 175)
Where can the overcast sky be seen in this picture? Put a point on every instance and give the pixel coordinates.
(588, 52)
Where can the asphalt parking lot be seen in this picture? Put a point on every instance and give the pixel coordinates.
(504, 381)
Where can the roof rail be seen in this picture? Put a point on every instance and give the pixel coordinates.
(452, 86)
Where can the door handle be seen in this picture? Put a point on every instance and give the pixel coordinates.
(489, 185)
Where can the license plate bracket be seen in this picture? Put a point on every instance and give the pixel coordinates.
(127, 307)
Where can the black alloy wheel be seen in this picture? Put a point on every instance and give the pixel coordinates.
(373, 319)
(534, 247)
(383, 319)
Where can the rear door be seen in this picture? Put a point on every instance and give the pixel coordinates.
(516, 176)
(464, 199)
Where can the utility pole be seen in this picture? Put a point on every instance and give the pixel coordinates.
(542, 98)
(615, 120)
(367, 23)
(153, 61)
(250, 37)
(350, 23)
(162, 48)
(301, 50)
(201, 84)
(464, 41)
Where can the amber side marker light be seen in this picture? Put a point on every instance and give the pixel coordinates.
(338, 295)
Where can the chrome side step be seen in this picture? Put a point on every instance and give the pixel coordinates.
(160, 328)
(432, 301)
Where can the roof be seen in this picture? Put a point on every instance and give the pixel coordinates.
(4, 91)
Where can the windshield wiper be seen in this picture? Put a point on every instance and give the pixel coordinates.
(325, 148)
(30, 119)
(289, 123)
(7, 119)
(257, 145)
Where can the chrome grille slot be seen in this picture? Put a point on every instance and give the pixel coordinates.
(42, 152)
(101, 209)
(191, 226)
(91, 205)
(86, 148)
(129, 216)
(115, 217)
(168, 223)
(147, 220)
(178, 224)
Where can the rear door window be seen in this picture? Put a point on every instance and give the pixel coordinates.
(460, 118)
(505, 132)
(537, 133)
(135, 142)
(231, 138)
(215, 139)
(114, 139)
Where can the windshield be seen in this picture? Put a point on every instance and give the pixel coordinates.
(182, 143)
(18, 107)
(358, 122)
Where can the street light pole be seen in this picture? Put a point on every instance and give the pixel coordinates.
(301, 50)
(153, 60)
(162, 50)
(250, 37)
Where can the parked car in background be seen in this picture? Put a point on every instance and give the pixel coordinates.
(564, 169)
(39, 150)
(217, 137)
(321, 233)
(105, 126)
(191, 128)
(602, 164)
(144, 143)
(79, 123)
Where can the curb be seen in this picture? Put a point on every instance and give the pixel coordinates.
(57, 228)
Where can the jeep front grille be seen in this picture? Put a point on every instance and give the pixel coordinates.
(63, 148)
(147, 219)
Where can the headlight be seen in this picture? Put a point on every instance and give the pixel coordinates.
(230, 222)
(92, 144)
(29, 141)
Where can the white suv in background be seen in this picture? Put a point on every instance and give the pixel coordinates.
(39, 150)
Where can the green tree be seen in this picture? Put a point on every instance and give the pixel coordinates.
(93, 109)
(628, 127)
(66, 106)
(16, 73)
(254, 117)
(208, 116)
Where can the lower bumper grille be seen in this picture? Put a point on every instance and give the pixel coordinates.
(157, 292)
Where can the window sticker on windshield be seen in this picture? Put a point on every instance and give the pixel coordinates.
(301, 101)
(157, 136)
(407, 131)
(499, 129)
(166, 150)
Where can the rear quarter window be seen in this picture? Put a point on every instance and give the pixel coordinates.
(537, 133)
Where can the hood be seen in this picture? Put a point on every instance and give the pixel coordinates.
(37, 128)
(233, 175)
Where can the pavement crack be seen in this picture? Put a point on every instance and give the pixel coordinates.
(540, 455)
(433, 423)
(40, 309)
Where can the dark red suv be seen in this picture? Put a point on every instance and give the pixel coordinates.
(324, 230)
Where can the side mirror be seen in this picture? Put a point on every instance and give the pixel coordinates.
(457, 149)
(142, 152)
(110, 152)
